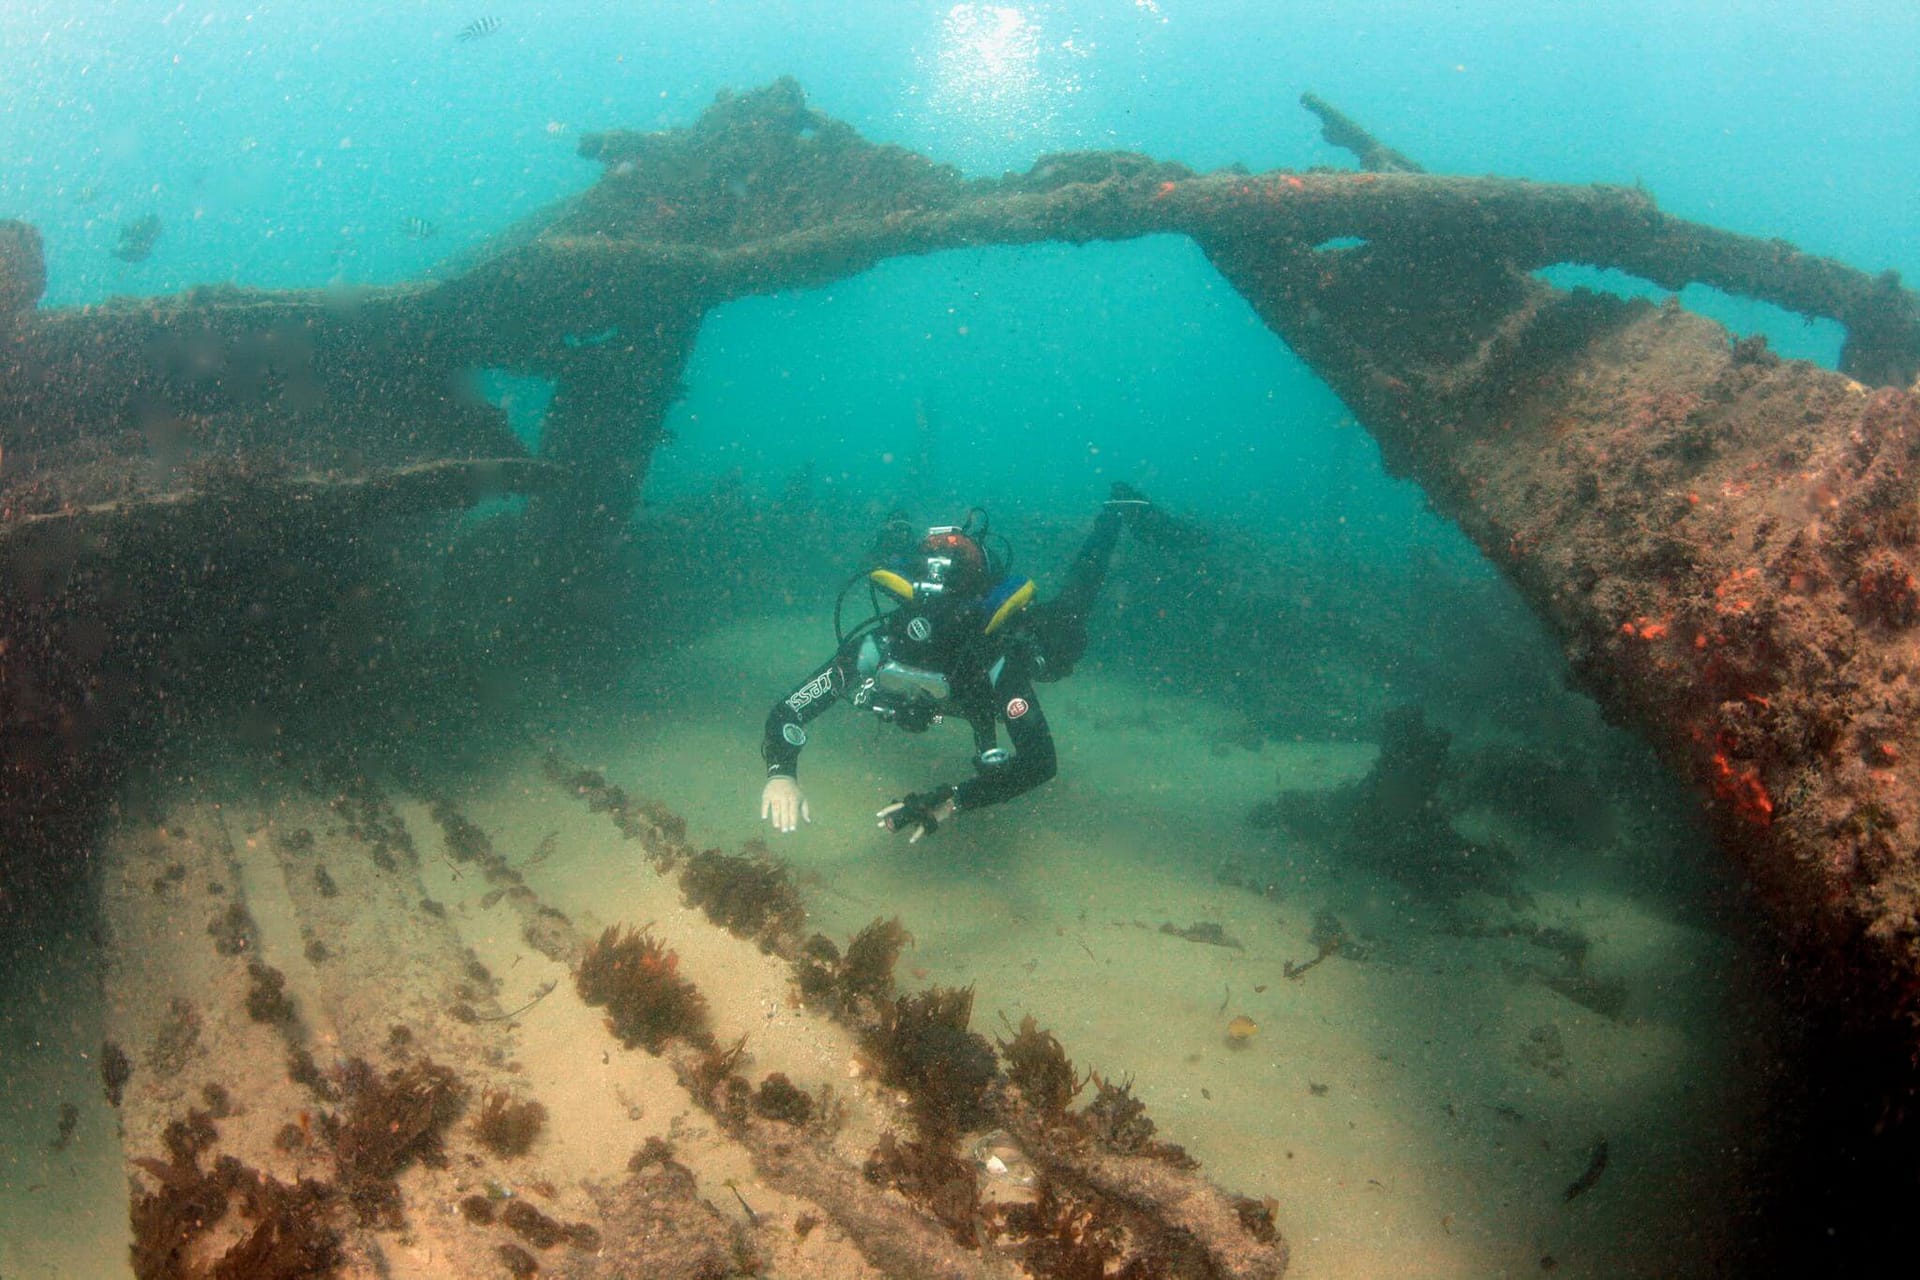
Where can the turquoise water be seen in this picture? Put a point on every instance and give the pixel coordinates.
(299, 145)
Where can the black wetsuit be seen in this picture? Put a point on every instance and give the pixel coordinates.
(989, 678)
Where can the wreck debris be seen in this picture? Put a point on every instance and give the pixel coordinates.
(1596, 1165)
(666, 1227)
(137, 238)
(309, 387)
(23, 269)
(1337, 130)
(1209, 932)
(1394, 818)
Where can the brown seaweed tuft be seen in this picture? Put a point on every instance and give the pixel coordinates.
(231, 930)
(817, 968)
(115, 1070)
(868, 967)
(671, 826)
(166, 1222)
(507, 1125)
(921, 1044)
(1038, 1066)
(655, 1150)
(390, 1122)
(842, 983)
(716, 1080)
(518, 1262)
(778, 1098)
(466, 842)
(531, 1225)
(303, 1070)
(933, 1176)
(751, 895)
(637, 978)
(1117, 1121)
(267, 994)
(1064, 1237)
(292, 1236)
(1257, 1217)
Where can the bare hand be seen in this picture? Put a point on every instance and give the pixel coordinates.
(783, 804)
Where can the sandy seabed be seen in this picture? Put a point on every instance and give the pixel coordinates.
(1421, 1112)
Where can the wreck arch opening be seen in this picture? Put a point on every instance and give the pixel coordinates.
(991, 372)
(1790, 335)
(987, 375)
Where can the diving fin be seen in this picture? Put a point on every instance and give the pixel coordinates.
(1151, 525)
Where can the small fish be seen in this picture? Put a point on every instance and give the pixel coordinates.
(477, 28)
(1241, 1030)
(418, 228)
(137, 237)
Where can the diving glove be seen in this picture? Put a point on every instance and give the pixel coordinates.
(916, 814)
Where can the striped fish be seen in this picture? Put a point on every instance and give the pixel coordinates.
(418, 228)
(477, 28)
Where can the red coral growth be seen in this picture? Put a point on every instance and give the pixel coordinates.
(1734, 593)
(1742, 789)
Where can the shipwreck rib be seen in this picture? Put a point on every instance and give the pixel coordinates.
(1523, 224)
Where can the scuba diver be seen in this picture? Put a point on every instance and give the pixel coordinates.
(964, 638)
